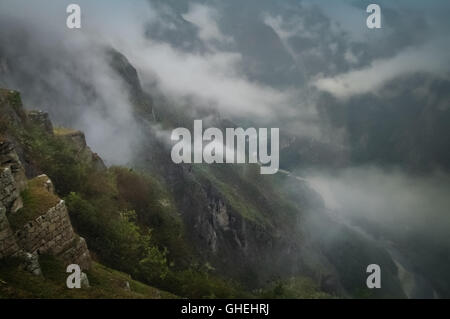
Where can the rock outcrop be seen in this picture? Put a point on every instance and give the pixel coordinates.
(77, 140)
(9, 191)
(10, 159)
(42, 120)
(49, 231)
(11, 107)
(142, 101)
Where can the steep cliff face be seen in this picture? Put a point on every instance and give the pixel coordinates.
(27, 228)
(139, 98)
(10, 159)
(12, 183)
(77, 140)
(257, 230)
(12, 109)
(9, 191)
(238, 223)
(242, 225)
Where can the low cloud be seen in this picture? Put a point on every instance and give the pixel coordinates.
(212, 80)
(204, 18)
(432, 58)
(57, 65)
(397, 202)
(68, 73)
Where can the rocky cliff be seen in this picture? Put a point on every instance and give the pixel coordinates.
(236, 224)
(77, 141)
(26, 231)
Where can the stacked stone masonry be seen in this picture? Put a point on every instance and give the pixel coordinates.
(50, 233)
(8, 244)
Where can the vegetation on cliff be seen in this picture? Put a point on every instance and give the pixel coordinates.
(127, 218)
(36, 201)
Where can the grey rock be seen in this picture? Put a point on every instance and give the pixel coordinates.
(31, 263)
(84, 280)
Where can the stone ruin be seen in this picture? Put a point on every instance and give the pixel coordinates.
(50, 233)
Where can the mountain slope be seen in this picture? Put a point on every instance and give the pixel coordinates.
(37, 240)
(196, 231)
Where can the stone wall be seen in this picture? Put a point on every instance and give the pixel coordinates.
(8, 244)
(51, 233)
(9, 191)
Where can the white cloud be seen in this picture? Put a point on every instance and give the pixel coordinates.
(387, 196)
(204, 18)
(431, 58)
(287, 29)
(212, 79)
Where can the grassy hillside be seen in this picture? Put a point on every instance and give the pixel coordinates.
(104, 283)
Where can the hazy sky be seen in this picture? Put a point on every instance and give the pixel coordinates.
(267, 61)
(264, 62)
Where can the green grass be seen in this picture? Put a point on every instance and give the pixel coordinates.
(61, 131)
(36, 202)
(104, 283)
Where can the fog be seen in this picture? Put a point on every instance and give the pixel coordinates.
(67, 74)
(407, 215)
(194, 53)
(389, 198)
(267, 63)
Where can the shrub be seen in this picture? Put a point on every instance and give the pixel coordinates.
(154, 209)
(55, 157)
(128, 218)
(117, 239)
(37, 200)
